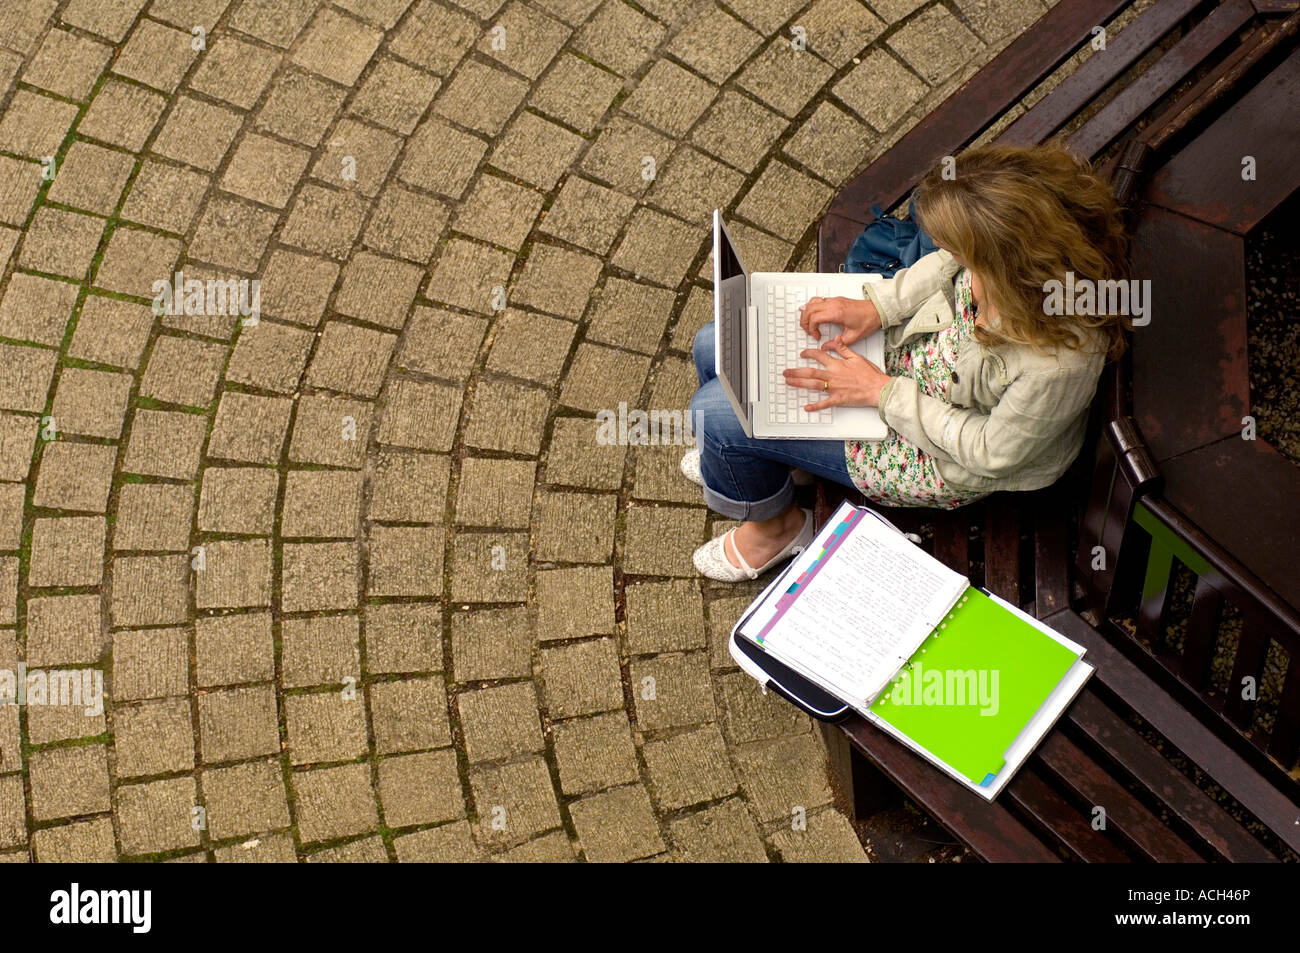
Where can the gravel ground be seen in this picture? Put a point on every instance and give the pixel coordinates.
(1273, 326)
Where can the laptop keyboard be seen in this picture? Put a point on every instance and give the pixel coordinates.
(785, 340)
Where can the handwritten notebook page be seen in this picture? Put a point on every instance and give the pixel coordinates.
(873, 599)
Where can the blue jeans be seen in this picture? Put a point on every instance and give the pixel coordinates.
(746, 478)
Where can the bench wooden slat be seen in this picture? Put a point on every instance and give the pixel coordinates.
(1135, 99)
(907, 518)
(1096, 73)
(1192, 183)
(1002, 547)
(952, 539)
(1202, 633)
(988, 829)
(1232, 772)
(1154, 606)
(1257, 43)
(1062, 821)
(1123, 553)
(835, 236)
(1002, 82)
(1160, 779)
(1051, 553)
(1194, 269)
(1284, 740)
(826, 497)
(1125, 814)
(1095, 524)
(1252, 646)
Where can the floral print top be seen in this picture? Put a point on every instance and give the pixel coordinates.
(894, 472)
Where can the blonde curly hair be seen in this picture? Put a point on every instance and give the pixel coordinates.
(1020, 217)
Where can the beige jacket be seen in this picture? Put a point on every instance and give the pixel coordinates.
(1017, 417)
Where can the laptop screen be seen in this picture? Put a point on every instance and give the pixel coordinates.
(728, 262)
(729, 300)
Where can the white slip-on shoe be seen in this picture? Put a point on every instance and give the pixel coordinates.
(691, 467)
(711, 558)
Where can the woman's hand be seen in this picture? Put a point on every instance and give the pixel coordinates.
(848, 381)
(857, 318)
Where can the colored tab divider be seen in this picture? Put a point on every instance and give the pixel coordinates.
(838, 535)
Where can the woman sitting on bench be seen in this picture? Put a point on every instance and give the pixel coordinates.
(986, 384)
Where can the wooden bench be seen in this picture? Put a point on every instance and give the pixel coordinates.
(1110, 748)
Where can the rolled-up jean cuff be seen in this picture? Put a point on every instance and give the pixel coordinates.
(764, 509)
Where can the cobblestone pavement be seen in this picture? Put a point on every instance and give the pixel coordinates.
(358, 578)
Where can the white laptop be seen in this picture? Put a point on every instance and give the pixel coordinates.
(757, 336)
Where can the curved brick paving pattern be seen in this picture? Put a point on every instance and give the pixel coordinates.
(358, 577)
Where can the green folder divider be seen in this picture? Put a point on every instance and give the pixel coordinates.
(982, 658)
